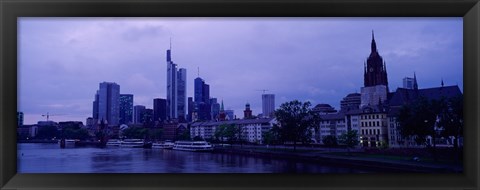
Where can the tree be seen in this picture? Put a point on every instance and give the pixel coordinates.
(296, 120)
(228, 132)
(350, 139)
(135, 132)
(418, 120)
(330, 140)
(452, 119)
(155, 133)
(47, 132)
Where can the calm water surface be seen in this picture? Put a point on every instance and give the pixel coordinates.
(50, 158)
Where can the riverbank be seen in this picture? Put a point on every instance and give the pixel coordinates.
(356, 159)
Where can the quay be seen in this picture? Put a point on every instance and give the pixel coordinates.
(343, 159)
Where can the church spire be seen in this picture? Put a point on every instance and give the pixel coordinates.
(374, 45)
(221, 107)
(415, 84)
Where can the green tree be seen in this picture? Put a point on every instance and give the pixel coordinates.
(296, 119)
(350, 139)
(417, 120)
(452, 119)
(47, 132)
(330, 140)
(155, 133)
(135, 133)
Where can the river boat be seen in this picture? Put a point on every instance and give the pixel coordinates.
(67, 143)
(113, 142)
(163, 145)
(195, 146)
(135, 143)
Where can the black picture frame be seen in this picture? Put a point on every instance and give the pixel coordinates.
(10, 10)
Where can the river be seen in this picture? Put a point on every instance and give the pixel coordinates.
(50, 158)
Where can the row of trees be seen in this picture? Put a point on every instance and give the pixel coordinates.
(434, 118)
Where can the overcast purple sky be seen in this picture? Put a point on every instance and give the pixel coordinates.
(63, 60)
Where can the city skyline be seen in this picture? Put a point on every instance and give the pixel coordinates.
(292, 58)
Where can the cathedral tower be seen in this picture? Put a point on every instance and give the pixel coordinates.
(375, 70)
(375, 88)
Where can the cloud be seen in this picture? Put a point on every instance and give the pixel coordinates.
(62, 60)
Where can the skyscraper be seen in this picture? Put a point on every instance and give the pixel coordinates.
(108, 105)
(191, 109)
(176, 89)
(181, 94)
(268, 105)
(126, 108)
(138, 111)
(159, 109)
(202, 99)
(215, 108)
(408, 83)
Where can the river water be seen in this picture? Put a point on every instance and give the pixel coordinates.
(50, 158)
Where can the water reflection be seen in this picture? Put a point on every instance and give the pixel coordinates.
(49, 158)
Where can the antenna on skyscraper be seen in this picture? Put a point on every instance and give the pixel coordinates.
(198, 72)
(170, 43)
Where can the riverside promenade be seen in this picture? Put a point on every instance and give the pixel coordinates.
(356, 158)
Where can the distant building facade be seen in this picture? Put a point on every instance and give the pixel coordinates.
(351, 102)
(19, 118)
(268, 105)
(159, 109)
(126, 108)
(252, 130)
(138, 111)
(176, 89)
(408, 83)
(107, 103)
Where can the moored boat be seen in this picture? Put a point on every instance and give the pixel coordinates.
(135, 143)
(195, 146)
(113, 142)
(163, 145)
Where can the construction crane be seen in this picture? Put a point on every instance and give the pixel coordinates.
(48, 115)
(263, 90)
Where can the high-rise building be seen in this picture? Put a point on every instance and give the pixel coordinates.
(159, 109)
(408, 83)
(19, 119)
(107, 103)
(202, 99)
(268, 105)
(181, 94)
(176, 89)
(215, 108)
(375, 87)
(147, 117)
(126, 108)
(230, 115)
(95, 107)
(191, 109)
(138, 111)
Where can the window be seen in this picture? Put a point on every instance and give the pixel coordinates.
(378, 123)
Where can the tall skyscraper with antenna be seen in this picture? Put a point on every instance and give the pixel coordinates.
(176, 88)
